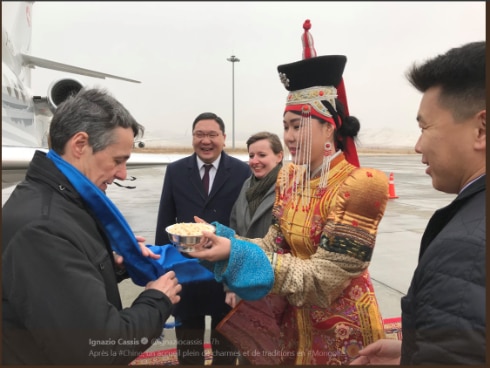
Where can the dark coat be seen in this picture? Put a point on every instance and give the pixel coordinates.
(183, 198)
(443, 313)
(61, 302)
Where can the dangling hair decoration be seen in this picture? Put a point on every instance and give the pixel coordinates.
(327, 154)
(306, 137)
(301, 171)
(309, 100)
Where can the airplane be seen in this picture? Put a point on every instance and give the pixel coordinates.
(25, 118)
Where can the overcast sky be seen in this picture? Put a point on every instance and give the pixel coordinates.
(179, 51)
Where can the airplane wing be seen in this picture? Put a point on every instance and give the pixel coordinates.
(25, 118)
(33, 61)
(15, 161)
(17, 158)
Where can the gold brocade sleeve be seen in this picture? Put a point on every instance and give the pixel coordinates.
(346, 246)
(269, 242)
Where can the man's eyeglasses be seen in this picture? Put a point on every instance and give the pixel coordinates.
(201, 135)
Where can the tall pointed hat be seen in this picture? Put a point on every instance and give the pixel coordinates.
(314, 84)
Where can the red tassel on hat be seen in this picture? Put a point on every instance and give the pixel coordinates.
(308, 49)
(341, 95)
(350, 149)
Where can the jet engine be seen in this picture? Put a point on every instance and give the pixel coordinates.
(140, 144)
(61, 89)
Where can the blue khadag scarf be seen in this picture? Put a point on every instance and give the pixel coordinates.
(141, 269)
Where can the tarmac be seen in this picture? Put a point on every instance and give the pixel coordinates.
(397, 244)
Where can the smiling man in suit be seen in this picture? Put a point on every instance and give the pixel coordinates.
(183, 197)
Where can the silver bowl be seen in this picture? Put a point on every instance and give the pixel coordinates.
(187, 243)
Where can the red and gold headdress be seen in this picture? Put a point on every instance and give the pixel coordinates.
(313, 80)
(315, 84)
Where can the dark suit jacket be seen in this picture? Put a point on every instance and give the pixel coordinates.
(183, 198)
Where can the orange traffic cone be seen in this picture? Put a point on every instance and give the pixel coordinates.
(391, 187)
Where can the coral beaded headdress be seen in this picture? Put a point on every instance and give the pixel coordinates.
(315, 83)
(315, 79)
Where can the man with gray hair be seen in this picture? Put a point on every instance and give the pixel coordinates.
(61, 302)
